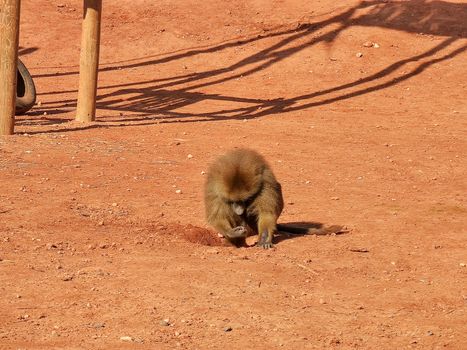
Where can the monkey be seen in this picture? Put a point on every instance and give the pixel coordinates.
(243, 197)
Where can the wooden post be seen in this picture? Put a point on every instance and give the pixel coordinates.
(89, 61)
(9, 37)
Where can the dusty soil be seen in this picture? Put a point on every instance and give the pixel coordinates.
(360, 108)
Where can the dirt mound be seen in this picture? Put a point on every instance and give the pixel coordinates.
(199, 235)
(194, 234)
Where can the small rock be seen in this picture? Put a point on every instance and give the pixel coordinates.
(335, 198)
(376, 45)
(178, 191)
(165, 322)
(126, 338)
(50, 246)
(463, 264)
(190, 156)
(228, 329)
(97, 325)
(367, 44)
(359, 54)
(67, 278)
(322, 301)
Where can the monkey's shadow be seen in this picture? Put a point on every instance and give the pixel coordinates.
(290, 230)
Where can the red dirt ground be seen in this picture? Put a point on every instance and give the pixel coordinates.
(96, 245)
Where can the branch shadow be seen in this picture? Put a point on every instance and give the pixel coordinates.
(438, 18)
(163, 100)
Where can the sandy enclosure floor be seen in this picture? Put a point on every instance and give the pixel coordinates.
(359, 107)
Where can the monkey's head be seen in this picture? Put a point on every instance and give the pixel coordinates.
(240, 181)
(240, 187)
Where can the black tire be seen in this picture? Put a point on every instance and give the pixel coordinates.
(25, 90)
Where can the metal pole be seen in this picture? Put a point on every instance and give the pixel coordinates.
(89, 61)
(9, 37)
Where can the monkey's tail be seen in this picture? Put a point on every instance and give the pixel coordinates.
(311, 229)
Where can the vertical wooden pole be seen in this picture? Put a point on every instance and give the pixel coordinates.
(89, 61)
(9, 37)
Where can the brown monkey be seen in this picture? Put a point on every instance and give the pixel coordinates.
(243, 197)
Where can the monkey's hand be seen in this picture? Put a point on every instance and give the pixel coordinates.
(237, 232)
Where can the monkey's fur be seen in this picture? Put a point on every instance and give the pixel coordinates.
(242, 197)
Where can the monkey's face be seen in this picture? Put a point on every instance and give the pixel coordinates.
(240, 190)
(238, 208)
(236, 180)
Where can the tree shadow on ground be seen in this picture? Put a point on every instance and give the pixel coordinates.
(163, 100)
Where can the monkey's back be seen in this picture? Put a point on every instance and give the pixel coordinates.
(244, 175)
(237, 175)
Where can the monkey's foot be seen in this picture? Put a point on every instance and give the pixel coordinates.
(267, 245)
(264, 242)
